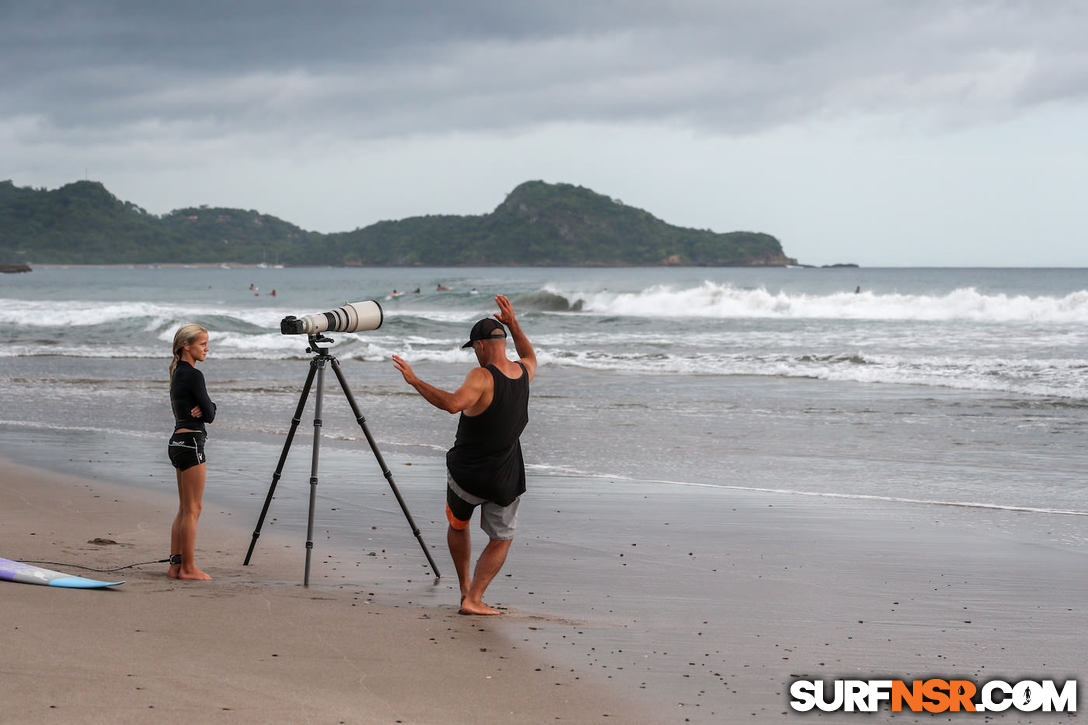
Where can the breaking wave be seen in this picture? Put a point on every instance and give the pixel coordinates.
(724, 301)
(707, 300)
(963, 339)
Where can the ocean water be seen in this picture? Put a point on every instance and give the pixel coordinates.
(945, 386)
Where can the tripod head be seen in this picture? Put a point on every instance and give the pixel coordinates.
(315, 338)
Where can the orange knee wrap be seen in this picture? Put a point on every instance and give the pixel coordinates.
(455, 522)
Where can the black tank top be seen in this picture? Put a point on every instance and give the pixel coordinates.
(486, 456)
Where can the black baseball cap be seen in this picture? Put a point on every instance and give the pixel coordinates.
(485, 329)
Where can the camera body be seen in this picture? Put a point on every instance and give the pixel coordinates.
(352, 317)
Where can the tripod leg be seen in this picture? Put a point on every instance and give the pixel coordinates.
(320, 363)
(381, 462)
(283, 459)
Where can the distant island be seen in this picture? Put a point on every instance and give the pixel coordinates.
(538, 224)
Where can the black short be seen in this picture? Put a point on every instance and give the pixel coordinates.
(187, 450)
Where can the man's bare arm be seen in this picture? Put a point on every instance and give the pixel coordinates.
(521, 343)
(463, 398)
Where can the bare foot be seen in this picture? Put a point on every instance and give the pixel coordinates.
(193, 574)
(478, 608)
(172, 572)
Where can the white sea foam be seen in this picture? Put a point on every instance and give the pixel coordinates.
(707, 300)
(96, 429)
(871, 497)
(566, 471)
(86, 313)
(715, 300)
(1040, 377)
(964, 339)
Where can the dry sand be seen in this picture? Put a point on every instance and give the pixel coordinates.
(246, 647)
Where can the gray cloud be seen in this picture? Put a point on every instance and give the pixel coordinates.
(390, 68)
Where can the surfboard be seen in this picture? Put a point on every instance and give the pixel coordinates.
(17, 571)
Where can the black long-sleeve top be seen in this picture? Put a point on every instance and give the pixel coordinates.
(187, 389)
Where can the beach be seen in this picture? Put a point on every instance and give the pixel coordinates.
(737, 480)
(796, 589)
(248, 646)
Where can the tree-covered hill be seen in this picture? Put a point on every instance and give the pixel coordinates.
(82, 223)
(537, 224)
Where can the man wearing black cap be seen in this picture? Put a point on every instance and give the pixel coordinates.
(485, 467)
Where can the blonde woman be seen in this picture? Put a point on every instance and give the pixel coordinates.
(192, 409)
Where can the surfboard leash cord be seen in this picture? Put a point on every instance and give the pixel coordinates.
(168, 560)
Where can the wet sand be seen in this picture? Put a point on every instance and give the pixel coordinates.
(623, 603)
(246, 647)
(714, 600)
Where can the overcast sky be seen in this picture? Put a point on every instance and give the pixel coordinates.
(883, 133)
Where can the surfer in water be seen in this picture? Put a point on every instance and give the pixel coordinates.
(485, 467)
(192, 409)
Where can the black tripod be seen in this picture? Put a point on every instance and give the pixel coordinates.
(317, 367)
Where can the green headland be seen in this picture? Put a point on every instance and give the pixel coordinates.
(538, 224)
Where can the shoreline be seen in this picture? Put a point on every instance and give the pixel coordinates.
(276, 265)
(689, 605)
(247, 646)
